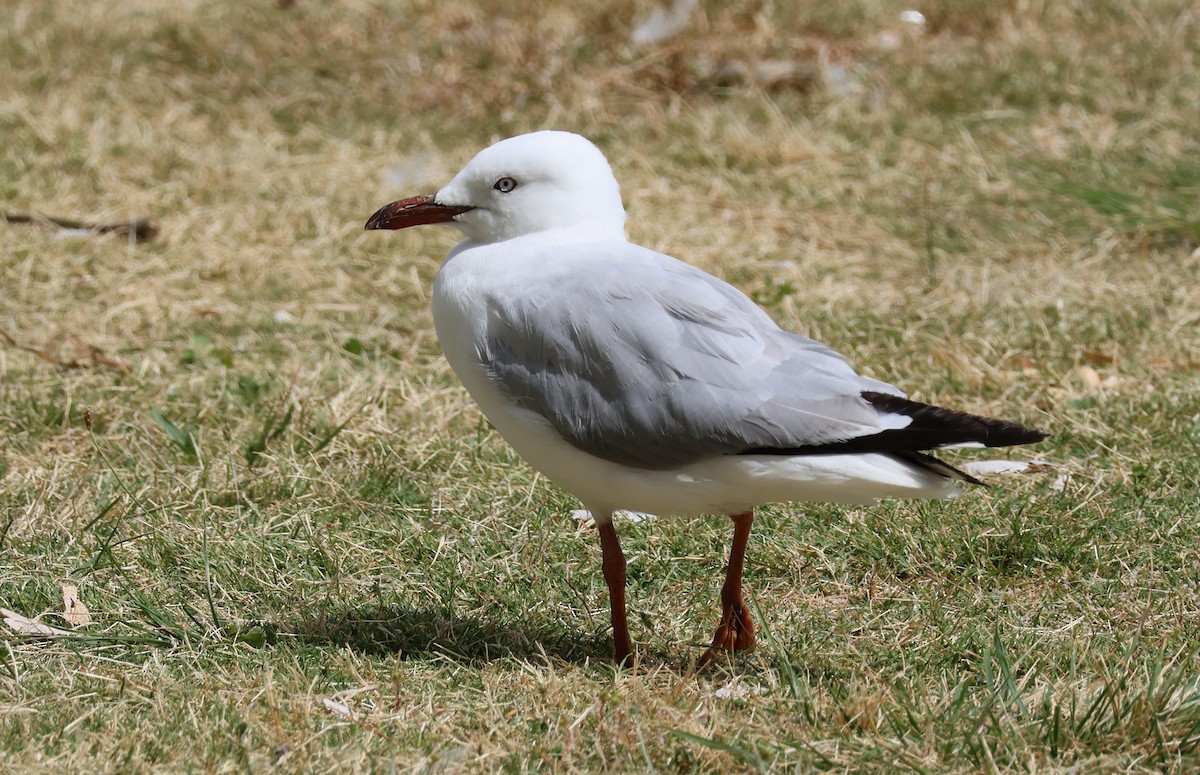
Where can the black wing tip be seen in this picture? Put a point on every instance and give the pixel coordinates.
(1003, 433)
(931, 427)
(950, 427)
(1030, 435)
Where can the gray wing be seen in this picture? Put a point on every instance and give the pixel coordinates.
(643, 360)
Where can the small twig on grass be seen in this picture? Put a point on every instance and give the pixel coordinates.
(83, 354)
(141, 229)
(28, 348)
(94, 354)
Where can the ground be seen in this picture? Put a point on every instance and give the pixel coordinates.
(303, 549)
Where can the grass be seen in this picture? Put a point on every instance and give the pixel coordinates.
(302, 548)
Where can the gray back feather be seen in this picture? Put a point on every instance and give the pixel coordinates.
(656, 369)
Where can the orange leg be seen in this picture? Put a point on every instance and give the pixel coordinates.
(614, 576)
(736, 630)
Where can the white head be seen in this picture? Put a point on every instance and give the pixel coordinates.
(527, 184)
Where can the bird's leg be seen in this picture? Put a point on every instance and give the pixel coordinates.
(736, 630)
(614, 576)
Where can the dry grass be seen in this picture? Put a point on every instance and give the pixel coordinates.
(334, 564)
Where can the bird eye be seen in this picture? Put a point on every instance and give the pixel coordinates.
(504, 185)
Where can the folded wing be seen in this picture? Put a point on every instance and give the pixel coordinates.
(679, 366)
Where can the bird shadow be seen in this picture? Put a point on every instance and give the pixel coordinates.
(427, 632)
(474, 640)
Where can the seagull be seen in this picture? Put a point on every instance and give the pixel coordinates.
(638, 382)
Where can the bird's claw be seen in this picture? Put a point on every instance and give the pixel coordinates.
(734, 633)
